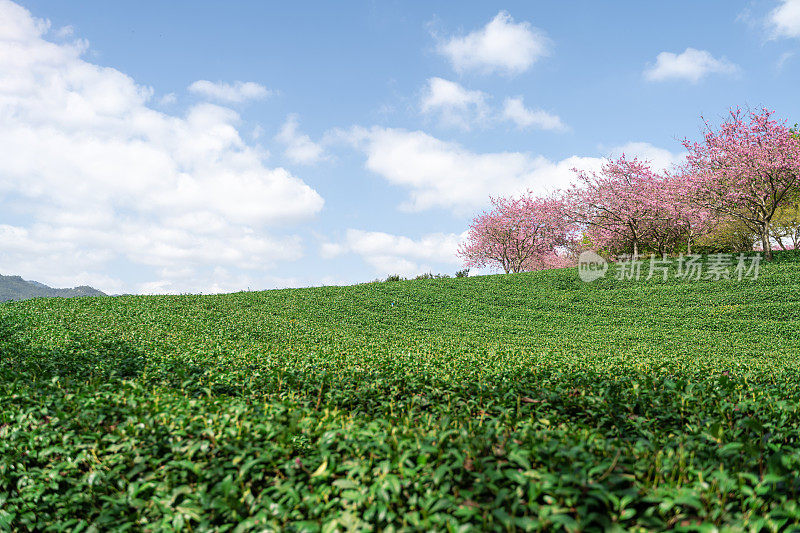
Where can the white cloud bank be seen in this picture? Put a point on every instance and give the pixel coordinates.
(784, 20)
(397, 254)
(441, 174)
(95, 176)
(236, 92)
(692, 65)
(500, 46)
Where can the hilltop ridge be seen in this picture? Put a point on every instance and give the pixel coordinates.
(16, 288)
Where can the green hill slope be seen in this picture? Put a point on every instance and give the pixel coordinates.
(16, 288)
(521, 401)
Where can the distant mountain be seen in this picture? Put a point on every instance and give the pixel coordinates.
(16, 288)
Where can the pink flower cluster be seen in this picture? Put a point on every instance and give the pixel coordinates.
(747, 169)
(518, 234)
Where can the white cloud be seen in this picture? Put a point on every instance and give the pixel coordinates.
(299, 146)
(784, 20)
(459, 107)
(660, 158)
(64, 32)
(329, 250)
(441, 93)
(223, 280)
(455, 105)
(236, 92)
(691, 65)
(515, 111)
(786, 56)
(440, 174)
(181, 258)
(106, 179)
(397, 254)
(16, 24)
(502, 45)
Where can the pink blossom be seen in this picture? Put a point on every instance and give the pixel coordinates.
(747, 169)
(517, 234)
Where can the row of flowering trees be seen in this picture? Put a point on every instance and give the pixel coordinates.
(739, 185)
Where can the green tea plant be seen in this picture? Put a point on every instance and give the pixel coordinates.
(514, 402)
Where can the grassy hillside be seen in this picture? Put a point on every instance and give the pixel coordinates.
(522, 401)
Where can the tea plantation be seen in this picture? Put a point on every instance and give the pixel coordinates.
(512, 402)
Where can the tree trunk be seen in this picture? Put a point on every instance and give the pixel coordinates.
(689, 245)
(766, 246)
(635, 249)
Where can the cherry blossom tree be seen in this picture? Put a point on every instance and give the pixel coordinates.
(619, 204)
(747, 169)
(687, 221)
(517, 234)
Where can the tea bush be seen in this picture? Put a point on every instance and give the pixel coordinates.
(514, 402)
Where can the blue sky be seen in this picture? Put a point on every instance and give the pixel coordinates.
(211, 147)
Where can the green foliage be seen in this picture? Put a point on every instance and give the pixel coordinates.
(729, 235)
(526, 401)
(430, 275)
(463, 273)
(785, 226)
